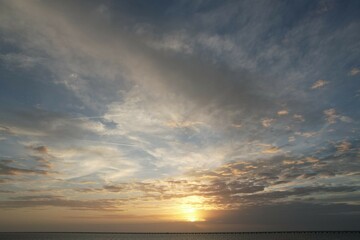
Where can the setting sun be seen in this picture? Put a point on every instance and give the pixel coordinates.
(190, 214)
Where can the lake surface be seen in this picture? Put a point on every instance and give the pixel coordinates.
(189, 236)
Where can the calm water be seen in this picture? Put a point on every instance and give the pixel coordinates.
(242, 236)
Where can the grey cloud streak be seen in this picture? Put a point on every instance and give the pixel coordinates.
(8, 170)
(59, 201)
(44, 124)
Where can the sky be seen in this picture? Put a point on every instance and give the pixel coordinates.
(171, 116)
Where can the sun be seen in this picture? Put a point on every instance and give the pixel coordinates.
(192, 219)
(190, 213)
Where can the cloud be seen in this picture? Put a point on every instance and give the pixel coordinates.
(177, 41)
(182, 124)
(282, 112)
(312, 159)
(266, 122)
(319, 84)
(59, 201)
(306, 134)
(8, 170)
(104, 163)
(299, 117)
(19, 60)
(271, 150)
(276, 180)
(354, 71)
(3, 180)
(6, 191)
(291, 139)
(201, 81)
(332, 116)
(236, 125)
(113, 188)
(45, 163)
(40, 149)
(39, 123)
(280, 196)
(343, 147)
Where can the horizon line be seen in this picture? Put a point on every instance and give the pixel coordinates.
(230, 232)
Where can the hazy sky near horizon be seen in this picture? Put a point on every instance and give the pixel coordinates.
(179, 115)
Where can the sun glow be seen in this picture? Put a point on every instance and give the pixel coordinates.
(190, 213)
(191, 209)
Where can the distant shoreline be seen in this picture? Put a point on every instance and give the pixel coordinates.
(258, 232)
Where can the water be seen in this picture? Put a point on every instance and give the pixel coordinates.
(190, 236)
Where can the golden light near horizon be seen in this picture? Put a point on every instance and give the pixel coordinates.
(190, 213)
(191, 209)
